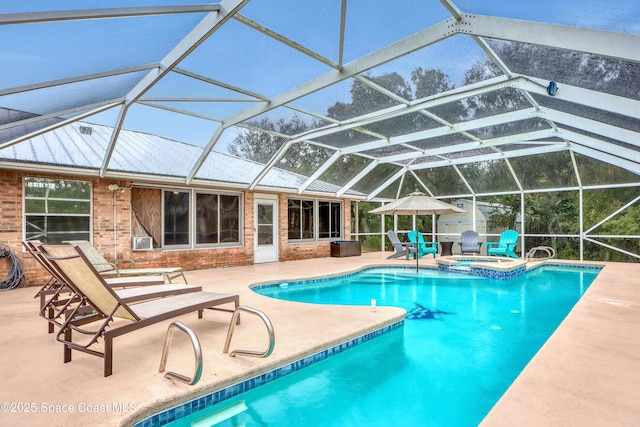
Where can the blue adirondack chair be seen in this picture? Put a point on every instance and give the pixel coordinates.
(505, 247)
(424, 248)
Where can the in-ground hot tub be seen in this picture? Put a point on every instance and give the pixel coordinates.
(495, 267)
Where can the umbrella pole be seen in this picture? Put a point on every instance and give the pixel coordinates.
(415, 227)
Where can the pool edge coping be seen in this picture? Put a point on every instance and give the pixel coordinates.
(241, 386)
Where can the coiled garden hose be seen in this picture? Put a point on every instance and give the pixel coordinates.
(16, 272)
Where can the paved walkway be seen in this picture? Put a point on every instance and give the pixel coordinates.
(587, 374)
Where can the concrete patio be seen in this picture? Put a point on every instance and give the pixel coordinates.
(588, 373)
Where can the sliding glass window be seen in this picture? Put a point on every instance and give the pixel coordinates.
(314, 220)
(56, 210)
(301, 219)
(217, 219)
(329, 219)
(214, 219)
(176, 218)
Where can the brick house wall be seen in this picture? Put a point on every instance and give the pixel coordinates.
(11, 230)
(10, 216)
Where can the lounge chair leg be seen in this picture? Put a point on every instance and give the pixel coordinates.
(67, 349)
(108, 356)
(51, 314)
(200, 314)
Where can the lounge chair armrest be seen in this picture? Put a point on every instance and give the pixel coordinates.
(109, 264)
(118, 261)
(491, 244)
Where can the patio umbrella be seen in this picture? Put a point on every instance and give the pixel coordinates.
(417, 203)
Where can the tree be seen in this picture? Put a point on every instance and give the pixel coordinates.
(490, 103)
(579, 69)
(365, 99)
(260, 146)
(558, 212)
(598, 204)
(546, 213)
(255, 145)
(430, 82)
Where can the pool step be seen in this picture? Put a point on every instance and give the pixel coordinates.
(460, 269)
(221, 415)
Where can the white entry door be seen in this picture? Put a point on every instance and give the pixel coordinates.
(265, 220)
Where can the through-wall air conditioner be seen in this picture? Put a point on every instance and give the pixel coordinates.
(141, 243)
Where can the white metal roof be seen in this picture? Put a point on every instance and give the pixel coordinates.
(353, 86)
(82, 145)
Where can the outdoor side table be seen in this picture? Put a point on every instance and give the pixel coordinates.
(446, 248)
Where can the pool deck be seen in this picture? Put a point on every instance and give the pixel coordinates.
(588, 373)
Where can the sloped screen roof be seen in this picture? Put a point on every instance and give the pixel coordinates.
(340, 97)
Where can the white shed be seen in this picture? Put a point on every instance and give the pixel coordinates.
(450, 226)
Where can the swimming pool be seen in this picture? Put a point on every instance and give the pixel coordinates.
(464, 341)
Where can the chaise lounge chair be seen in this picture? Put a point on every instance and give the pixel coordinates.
(95, 305)
(107, 268)
(469, 243)
(401, 250)
(54, 294)
(424, 248)
(505, 247)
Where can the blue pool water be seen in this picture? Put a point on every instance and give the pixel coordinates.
(464, 341)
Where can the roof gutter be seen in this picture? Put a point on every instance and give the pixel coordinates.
(139, 179)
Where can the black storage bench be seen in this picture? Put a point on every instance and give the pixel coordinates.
(343, 248)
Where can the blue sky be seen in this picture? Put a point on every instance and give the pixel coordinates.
(239, 56)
